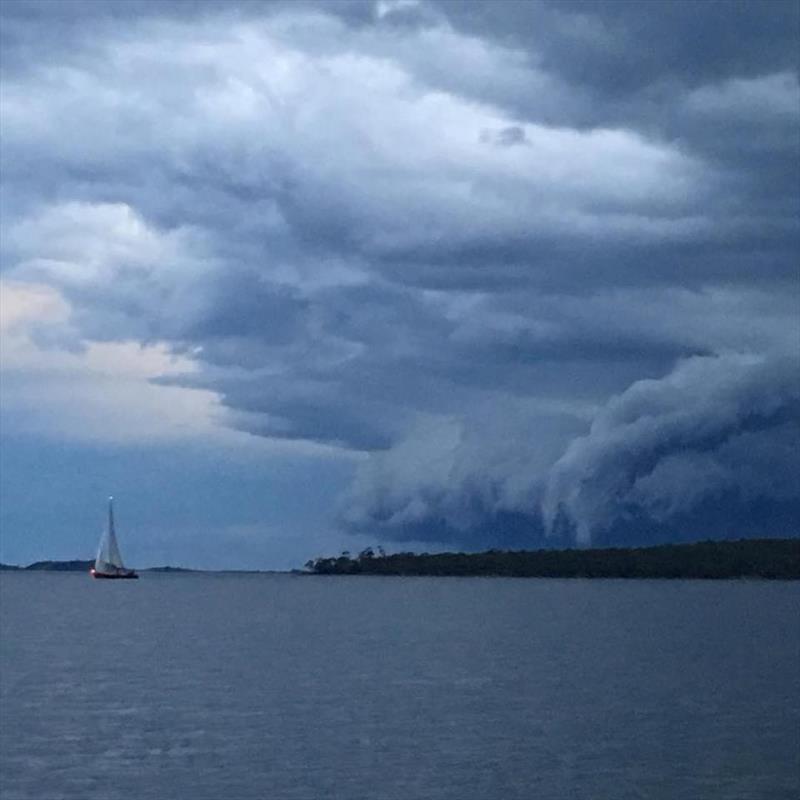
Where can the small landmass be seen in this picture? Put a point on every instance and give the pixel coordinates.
(169, 569)
(777, 559)
(75, 565)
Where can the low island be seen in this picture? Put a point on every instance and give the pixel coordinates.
(73, 565)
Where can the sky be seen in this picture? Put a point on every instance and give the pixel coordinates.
(294, 278)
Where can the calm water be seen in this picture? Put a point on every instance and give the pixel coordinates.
(245, 687)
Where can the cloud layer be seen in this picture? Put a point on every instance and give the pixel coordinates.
(537, 261)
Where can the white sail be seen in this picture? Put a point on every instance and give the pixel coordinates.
(109, 559)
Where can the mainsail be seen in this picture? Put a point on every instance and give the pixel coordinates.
(108, 558)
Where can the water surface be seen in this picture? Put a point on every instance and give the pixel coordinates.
(246, 687)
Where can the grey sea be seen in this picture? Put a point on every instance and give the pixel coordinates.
(237, 687)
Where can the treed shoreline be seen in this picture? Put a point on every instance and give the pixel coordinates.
(777, 559)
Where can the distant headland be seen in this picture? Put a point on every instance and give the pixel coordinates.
(777, 559)
(75, 565)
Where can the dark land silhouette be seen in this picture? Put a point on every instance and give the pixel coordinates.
(74, 565)
(744, 558)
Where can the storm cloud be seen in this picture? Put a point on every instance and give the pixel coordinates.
(537, 262)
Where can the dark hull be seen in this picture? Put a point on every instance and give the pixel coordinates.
(102, 575)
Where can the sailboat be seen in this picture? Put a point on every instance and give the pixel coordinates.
(108, 563)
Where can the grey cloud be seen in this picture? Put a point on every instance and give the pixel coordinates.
(618, 48)
(716, 433)
(662, 446)
(538, 218)
(445, 234)
(681, 77)
(505, 137)
(462, 478)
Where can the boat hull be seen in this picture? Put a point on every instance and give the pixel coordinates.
(107, 577)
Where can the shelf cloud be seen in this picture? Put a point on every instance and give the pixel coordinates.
(535, 263)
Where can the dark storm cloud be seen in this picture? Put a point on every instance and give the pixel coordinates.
(619, 47)
(487, 243)
(714, 426)
(720, 80)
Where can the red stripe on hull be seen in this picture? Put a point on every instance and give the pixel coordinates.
(105, 577)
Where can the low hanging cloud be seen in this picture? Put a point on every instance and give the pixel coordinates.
(716, 427)
(538, 277)
(458, 479)
(719, 430)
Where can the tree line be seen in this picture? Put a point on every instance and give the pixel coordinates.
(744, 558)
